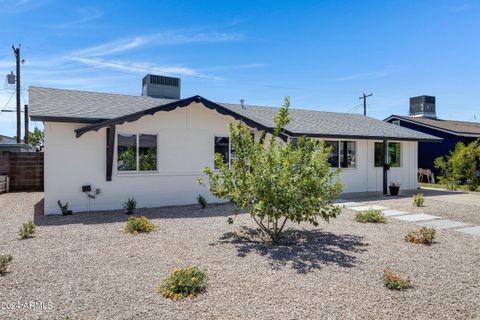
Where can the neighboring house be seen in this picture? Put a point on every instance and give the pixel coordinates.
(10, 144)
(423, 118)
(155, 147)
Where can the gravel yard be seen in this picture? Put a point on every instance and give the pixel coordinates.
(85, 267)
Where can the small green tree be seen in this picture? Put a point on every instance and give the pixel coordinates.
(460, 166)
(36, 138)
(276, 181)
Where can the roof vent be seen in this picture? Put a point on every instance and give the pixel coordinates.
(161, 87)
(423, 106)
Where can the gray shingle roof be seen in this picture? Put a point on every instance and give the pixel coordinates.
(459, 127)
(47, 104)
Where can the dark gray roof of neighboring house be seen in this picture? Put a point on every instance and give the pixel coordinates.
(458, 127)
(7, 140)
(47, 104)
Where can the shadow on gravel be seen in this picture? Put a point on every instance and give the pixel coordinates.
(113, 216)
(305, 250)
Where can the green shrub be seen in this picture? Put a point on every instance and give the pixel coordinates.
(4, 262)
(276, 181)
(372, 216)
(460, 166)
(423, 235)
(139, 224)
(130, 205)
(418, 200)
(27, 230)
(395, 282)
(183, 283)
(202, 201)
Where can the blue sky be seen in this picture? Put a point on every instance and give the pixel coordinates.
(324, 54)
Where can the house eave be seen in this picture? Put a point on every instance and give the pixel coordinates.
(455, 133)
(65, 119)
(168, 107)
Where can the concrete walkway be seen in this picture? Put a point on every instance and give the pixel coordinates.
(421, 219)
(452, 196)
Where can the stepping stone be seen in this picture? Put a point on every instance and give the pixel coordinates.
(392, 213)
(443, 224)
(367, 207)
(417, 217)
(348, 204)
(470, 230)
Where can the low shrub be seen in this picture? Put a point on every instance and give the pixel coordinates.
(202, 201)
(27, 230)
(4, 262)
(130, 205)
(183, 283)
(395, 282)
(418, 200)
(139, 224)
(372, 216)
(423, 235)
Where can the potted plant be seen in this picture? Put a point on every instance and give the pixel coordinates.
(130, 205)
(394, 188)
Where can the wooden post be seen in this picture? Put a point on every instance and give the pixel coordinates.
(385, 166)
(110, 148)
(26, 124)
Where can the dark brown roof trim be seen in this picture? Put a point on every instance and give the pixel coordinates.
(168, 107)
(66, 119)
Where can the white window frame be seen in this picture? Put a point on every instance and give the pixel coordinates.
(388, 156)
(215, 136)
(339, 157)
(137, 139)
(396, 122)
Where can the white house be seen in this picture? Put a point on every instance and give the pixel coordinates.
(102, 148)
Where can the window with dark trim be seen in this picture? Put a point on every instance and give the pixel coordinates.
(394, 154)
(222, 147)
(136, 152)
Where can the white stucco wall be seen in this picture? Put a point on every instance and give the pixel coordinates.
(185, 145)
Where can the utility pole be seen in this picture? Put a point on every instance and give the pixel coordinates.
(16, 51)
(365, 96)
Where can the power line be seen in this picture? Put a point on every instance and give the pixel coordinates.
(6, 104)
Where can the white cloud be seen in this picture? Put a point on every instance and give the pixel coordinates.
(374, 74)
(18, 6)
(236, 67)
(142, 67)
(163, 38)
(461, 7)
(84, 15)
(112, 47)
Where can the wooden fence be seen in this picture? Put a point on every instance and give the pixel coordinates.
(25, 170)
